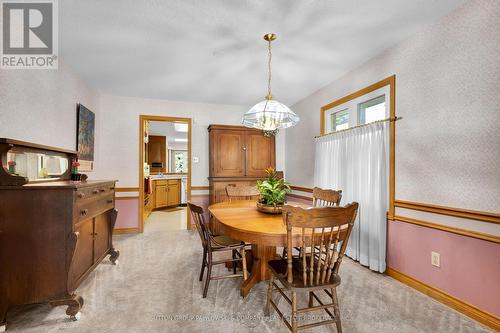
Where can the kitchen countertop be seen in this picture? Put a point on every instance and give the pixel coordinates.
(156, 177)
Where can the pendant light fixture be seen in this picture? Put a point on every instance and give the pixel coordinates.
(270, 115)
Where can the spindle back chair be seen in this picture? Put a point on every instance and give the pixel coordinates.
(323, 236)
(242, 192)
(216, 243)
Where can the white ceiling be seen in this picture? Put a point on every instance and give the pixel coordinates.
(165, 128)
(212, 51)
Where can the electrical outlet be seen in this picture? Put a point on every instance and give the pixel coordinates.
(435, 259)
(195, 159)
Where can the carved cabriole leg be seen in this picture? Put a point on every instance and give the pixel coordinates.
(74, 303)
(3, 317)
(114, 254)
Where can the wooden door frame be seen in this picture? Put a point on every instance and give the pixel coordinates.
(391, 82)
(142, 119)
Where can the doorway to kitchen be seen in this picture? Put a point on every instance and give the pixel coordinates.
(164, 172)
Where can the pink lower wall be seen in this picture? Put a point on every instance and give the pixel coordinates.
(203, 202)
(470, 267)
(128, 213)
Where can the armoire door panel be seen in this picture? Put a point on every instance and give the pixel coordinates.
(229, 153)
(260, 152)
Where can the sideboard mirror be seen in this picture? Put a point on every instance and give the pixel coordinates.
(24, 162)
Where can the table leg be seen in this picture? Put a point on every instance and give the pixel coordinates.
(260, 272)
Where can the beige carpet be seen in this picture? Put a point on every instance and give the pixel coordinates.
(155, 288)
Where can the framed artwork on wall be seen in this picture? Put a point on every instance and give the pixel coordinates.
(85, 137)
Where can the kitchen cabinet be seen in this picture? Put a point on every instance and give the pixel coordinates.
(167, 193)
(157, 153)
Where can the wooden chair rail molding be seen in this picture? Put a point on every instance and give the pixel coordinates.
(486, 318)
(303, 197)
(123, 231)
(463, 232)
(443, 210)
(200, 188)
(131, 197)
(127, 189)
(302, 189)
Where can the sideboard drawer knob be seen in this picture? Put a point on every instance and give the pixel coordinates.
(102, 190)
(84, 212)
(95, 191)
(81, 195)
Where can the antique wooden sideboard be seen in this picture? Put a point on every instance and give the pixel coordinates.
(53, 231)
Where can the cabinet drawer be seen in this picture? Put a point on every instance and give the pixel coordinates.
(93, 192)
(90, 208)
(161, 182)
(173, 182)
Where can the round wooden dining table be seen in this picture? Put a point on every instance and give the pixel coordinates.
(241, 220)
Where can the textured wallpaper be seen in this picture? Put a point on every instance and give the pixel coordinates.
(447, 91)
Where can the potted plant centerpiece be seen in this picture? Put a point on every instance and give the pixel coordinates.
(273, 191)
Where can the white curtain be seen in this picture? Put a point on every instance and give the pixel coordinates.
(356, 162)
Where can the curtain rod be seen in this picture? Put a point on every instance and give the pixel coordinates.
(358, 126)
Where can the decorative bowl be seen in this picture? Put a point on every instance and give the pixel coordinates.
(269, 209)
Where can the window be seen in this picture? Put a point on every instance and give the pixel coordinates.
(179, 161)
(371, 110)
(360, 110)
(340, 120)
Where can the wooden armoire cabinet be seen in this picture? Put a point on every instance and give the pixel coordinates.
(238, 155)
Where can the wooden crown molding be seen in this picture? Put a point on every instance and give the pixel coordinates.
(467, 309)
(451, 211)
(458, 231)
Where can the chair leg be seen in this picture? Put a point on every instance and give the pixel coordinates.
(203, 264)
(283, 254)
(311, 301)
(234, 262)
(267, 309)
(244, 263)
(336, 310)
(294, 312)
(209, 274)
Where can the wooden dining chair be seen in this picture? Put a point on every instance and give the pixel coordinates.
(242, 192)
(216, 243)
(322, 198)
(321, 230)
